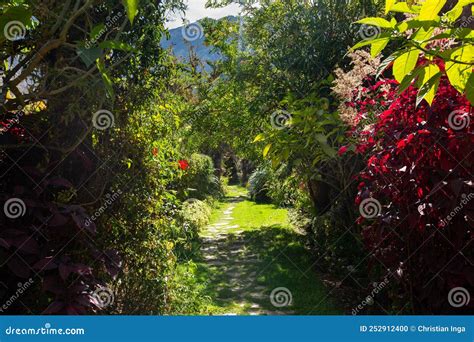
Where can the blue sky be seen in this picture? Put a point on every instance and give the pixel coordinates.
(197, 10)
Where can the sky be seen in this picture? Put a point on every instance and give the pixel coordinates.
(197, 10)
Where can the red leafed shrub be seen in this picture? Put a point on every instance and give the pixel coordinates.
(47, 247)
(420, 170)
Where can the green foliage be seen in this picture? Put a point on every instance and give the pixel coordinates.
(131, 6)
(425, 36)
(196, 215)
(259, 184)
(278, 186)
(311, 137)
(199, 180)
(93, 59)
(336, 242)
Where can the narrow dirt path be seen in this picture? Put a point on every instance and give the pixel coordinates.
(255, 264)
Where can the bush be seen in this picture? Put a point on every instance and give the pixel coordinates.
(258, 186)
(196, 216)
(419, 182)
(199, 180)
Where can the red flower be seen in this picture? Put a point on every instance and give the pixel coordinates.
(342, 150)
(183, 164)
(155, 151)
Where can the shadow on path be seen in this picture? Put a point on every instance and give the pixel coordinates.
(242, 269)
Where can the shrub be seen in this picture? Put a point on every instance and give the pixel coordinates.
(195, 215)
(199, 180)
(258, 185)
(419, 167)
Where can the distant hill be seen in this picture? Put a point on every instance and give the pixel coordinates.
(180, 45)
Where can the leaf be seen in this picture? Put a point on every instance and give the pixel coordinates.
(266, 150)
(422, 34)
(414, 24)
(430, 9)
(454, 14)
(429, 72)
(95, 32)
(131, 6)
(470, 89)
(323, 142)
(428, 90)
(459, 73)
(404, 64)
(259, 137)
(407, 81)
(89, 56)
(378, 46)
(374, 21)
(106, 78)
(369, 41)
(402, 7)
(385, 63)
(388, 5)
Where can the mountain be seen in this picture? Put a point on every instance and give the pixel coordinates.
(192, 35)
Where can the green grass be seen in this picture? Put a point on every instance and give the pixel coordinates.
(263, 253)
(252, 216)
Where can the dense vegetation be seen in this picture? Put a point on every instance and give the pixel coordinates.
(113, 152)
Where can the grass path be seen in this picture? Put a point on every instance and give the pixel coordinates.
(249, 250)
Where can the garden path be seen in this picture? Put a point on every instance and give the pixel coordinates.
(254, 263)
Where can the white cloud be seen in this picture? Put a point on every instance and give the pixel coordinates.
(197, 10)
